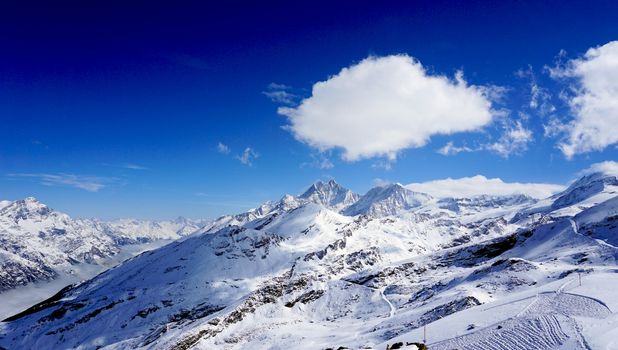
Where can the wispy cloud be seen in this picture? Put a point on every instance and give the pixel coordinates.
(88, 183)
(540, 97)
(280, 93)
(513, 140)
(223, 148)
(248, 156)
(40, 144)
(319, 161)
(133, 166)
(450, 149)
(386, 165)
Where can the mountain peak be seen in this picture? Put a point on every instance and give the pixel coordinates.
(330, 194)
(30, 203)
(26, 208)
(387, 200)
(585, 187)
(321, 186)
(393, 186)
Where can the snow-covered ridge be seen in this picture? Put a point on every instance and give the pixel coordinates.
(330, 194)
(478, 272)
(387, 200)
(132, 230)
(39, 244)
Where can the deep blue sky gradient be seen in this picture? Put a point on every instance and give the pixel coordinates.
(89, 87)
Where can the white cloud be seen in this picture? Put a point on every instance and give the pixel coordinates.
(325, 163)
(450, 149)
(319, 161)
(383, 105)
(555, 127)
(223, 149)
(607, 167)
(540, 98)
(134, 166)
(386, 165)
(514, 140)
(248, 156)
(480, 185)
(593, 103)
(280, 93)
(88, 183)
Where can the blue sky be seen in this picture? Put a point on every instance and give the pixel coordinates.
(154, 111)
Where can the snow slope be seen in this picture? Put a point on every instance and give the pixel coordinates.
(41, 245)
(488, 272)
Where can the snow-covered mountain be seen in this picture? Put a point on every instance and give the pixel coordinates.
(36, 241)
(330, 194)
(39, 244)
(387, 200)
(487, 272)
(131, 231)
(586, 187)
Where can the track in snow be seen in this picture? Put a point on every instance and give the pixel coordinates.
(544, 324)
(574, 226)
(390, 305)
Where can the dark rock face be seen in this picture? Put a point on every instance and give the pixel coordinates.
(13, 274)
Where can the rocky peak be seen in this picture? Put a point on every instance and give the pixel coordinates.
(28, 208)
(583, 188)
(330, 194)
(387, 200)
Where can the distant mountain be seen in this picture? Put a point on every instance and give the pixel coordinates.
(330, 194)
(484, 202)
(4, 203)
(38, 243)
(131, 231)
(584, 188)
(387, 200)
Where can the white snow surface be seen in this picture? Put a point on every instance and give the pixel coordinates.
(42, 249)
(317, 271)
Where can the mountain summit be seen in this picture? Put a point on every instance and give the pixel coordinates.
(330, 194)
(28, 208)
(387, 200)
(585, 187)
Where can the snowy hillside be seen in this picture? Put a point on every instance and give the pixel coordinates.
(130, 231)
(329, 269)
(387, 200)
(330, 194)
(39, 244)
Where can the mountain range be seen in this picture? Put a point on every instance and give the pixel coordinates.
(330, 269)
(39, 244)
